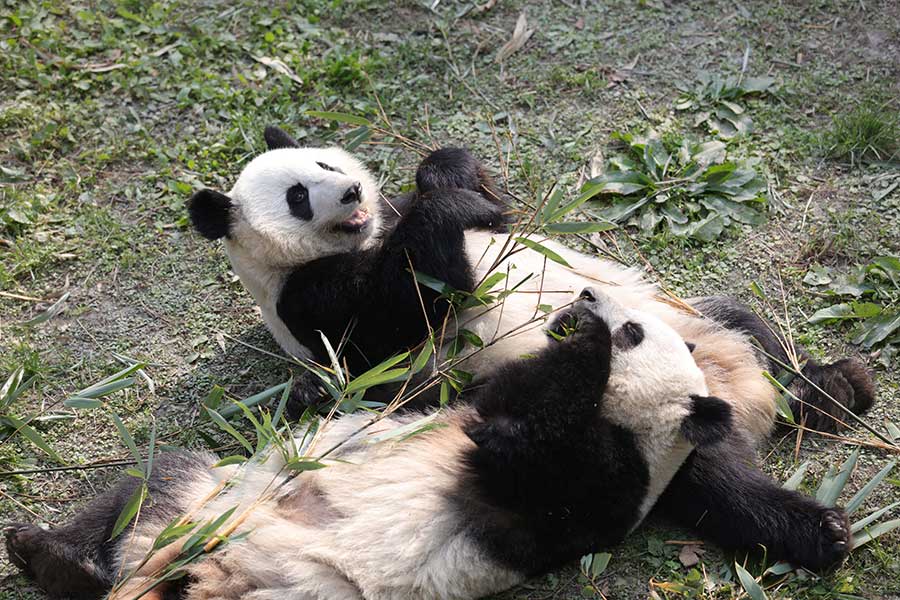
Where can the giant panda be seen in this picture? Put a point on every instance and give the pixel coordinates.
(303, 230)
(718, 492)
(553, 456)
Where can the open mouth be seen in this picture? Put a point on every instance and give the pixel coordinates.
(356, 222)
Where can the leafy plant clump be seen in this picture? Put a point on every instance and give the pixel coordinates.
(715, 98)
(863, 135)
(872, 300)
(692, 189)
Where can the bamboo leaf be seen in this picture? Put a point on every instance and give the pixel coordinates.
(130, 509)
(339, 117)
(753, 589)
(34, 437)
(56, 308)
(226, 426)
(128, 440)
(578, 227)
(543, 250)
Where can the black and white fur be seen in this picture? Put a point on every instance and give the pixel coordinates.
(725, 336)
(302, 229)
(554, 456)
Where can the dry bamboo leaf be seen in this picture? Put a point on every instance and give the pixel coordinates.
(279, 67)
(521, 35)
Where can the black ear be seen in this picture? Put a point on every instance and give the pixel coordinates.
(691, 346)
(210, 213)
(277, 138)
(709, 421)
(497, 435)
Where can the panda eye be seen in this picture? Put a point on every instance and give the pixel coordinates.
(329, 168)
(298, 202)
(628, 335)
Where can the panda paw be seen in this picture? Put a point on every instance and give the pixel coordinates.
(834, 536)
(22, 541)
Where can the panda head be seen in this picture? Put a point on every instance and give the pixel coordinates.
(291, 205)
(655, 389)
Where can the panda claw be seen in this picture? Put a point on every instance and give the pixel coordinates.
(835, 531)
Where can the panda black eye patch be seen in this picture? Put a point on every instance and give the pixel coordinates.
(329, 168)
(298, 202)
(628, 335)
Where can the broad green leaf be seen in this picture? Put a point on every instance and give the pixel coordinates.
(540, 248)
(757, 84)
(753, 589)
(621, 209)
(779, 568)
(131, 508)
(339, 117)
(818, 275)
(624, 183)
(709, 153)
(832, 313)
(890, 266)
(709, 228)
(876, 329)
(599, 563)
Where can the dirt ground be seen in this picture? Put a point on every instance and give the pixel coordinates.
(112, 113)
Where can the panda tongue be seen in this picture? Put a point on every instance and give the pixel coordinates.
(357, 219)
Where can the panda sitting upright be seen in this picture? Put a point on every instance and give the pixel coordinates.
(718, 492)
(554, 456)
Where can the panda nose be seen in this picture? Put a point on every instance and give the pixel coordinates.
(588, 294)
(353, 194)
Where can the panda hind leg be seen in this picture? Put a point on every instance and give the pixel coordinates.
(738, 507)
(847, 381)
(79, 559)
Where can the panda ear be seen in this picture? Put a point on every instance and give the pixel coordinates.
(691, 346)
(277, 138)
(708, 422)
(496, 435)
(210, 213)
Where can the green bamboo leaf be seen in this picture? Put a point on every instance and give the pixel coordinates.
(252, 401)
(753, 589)
(76, 402)
(578, 227)
(226, 426)
(537, 247)
(335, 363)
(9, 389)
(303, 464)
(131, 508)
(369, 379)
(282, 403)
(234, 459)
(423, 356)
(128, 440)
(860, 496)
(779, 568)
(55, 308)
(34, 437)
(339, 117)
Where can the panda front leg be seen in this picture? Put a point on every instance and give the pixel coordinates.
(732, 503)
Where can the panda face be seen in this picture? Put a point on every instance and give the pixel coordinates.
(292, 205)
(653, 376)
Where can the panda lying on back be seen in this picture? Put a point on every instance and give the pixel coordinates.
(555, 456)
(718, 492)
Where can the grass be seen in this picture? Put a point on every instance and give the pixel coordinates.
(867, 133)
(112, 112)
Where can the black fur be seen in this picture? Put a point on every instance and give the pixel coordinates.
(76, 560)
(374, 291)
(720, 493)
(550, 478)
(277, 138)
(210, 213)
(847, 380)
(710, 420)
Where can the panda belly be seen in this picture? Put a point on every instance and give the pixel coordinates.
(730, 364)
